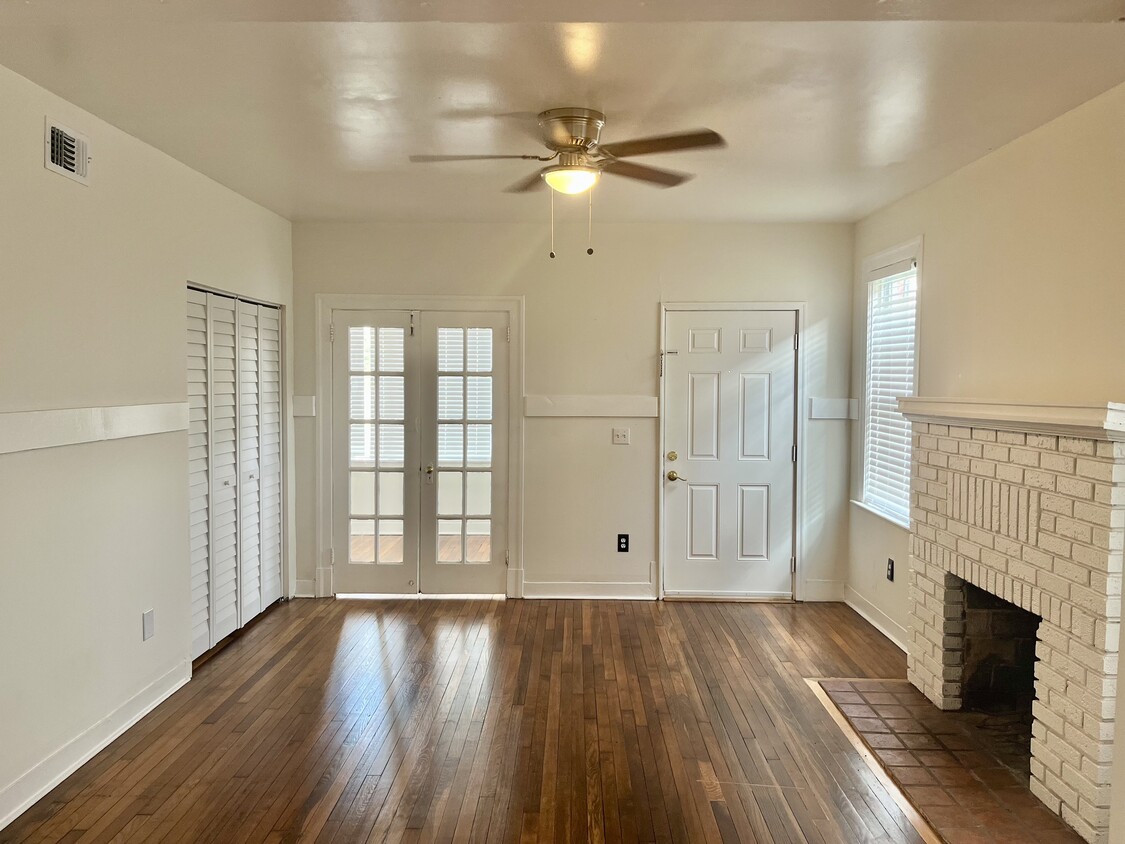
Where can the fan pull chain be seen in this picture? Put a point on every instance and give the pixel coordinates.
(590, 225)
(552, 224)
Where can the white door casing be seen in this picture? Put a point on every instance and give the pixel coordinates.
(729, 411)
(419, 451)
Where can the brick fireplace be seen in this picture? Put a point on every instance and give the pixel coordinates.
(1028, 504)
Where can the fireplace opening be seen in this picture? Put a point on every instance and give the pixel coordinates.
(998, 676)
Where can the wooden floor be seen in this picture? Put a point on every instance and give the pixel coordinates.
(492, 721)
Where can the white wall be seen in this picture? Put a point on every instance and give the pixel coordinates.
(592, 327)
(92, 306)
(1022, 294)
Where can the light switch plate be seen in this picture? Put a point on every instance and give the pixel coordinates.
(148, 625)
(620, 436)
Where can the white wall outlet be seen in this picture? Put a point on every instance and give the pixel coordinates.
(620, 436)
(148, 625)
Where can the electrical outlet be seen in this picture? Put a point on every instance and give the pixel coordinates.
(148, 625)
(890, 570)
(622, 542)
(620, 436)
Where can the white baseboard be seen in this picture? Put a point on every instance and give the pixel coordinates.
(19, 795)
(305, 589)
(876, 618)
(822, 590)
(705, 594)
(589, 589)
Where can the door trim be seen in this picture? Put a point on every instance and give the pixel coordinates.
(800, 576)
(326, 304)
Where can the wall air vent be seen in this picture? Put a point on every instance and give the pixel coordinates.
(66, 152)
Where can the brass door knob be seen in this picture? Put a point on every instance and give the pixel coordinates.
(675, 476)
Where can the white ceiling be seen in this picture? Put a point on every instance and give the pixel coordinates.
(824, 120)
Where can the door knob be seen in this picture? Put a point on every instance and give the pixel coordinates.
(675, 476)
(430, 469)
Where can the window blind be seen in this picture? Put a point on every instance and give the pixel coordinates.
(891, 328)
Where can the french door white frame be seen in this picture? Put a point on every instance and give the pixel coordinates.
(326, 305)
(800, 584)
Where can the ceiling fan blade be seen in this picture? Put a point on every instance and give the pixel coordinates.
(652, 175)
(428, 159)
(532, 182)
(698, 139)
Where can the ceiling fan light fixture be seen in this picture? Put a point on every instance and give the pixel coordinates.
(571, 178)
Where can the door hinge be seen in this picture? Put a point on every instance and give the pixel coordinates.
(792, 565)
(411, 323)
(332, 556)
(507, 559)
(794, 452)
(796, 340)
(331, 332)
(509, 334)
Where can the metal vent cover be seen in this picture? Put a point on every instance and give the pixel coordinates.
(66, 152)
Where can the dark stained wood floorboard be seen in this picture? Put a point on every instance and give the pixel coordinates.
(495, 721)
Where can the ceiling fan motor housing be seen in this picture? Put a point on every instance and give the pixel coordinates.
(571, 129)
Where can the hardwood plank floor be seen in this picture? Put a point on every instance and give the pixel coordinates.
(564, 721)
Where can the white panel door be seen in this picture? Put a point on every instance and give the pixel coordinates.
(249, 465)
(729, 469)
(199, 471)
(222, 320)
(269, 421)
(420, 409)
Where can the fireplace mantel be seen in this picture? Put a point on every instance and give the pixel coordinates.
(1095, 422)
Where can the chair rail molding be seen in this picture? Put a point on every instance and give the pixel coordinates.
(30, 430)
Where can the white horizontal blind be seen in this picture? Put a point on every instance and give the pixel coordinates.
(892, 300)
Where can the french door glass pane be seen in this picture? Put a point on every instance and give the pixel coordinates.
(361, 348)
(392, 446)
(392, 397)
(480, 350)
(362, 541)
(478, 541)
(363, 396)
(451, 398)
(392, 349)
(451, 445)
(480, 446)
(480, 397)
(390, 541)
(449, 493)
(451, 349)
(362, 445)
(478, 494)
(449, 541)
(363, 493)
(390, 494)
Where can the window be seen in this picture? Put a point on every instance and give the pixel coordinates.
(892, 299)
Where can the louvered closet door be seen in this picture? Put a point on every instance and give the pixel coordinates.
(222, 319)
(199, 471)
(269, 420)
(249, 459)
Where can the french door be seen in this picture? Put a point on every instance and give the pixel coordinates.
(419, 451)
(729, 453)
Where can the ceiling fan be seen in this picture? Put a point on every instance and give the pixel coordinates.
(574, 137)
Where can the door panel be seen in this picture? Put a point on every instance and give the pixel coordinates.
(374, 495)
(729, 410)
(420, 490)
(249, 454)
(222, 320)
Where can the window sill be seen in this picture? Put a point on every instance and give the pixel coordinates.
(885, 517)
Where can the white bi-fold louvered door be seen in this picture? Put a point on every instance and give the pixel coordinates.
(234, 392)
